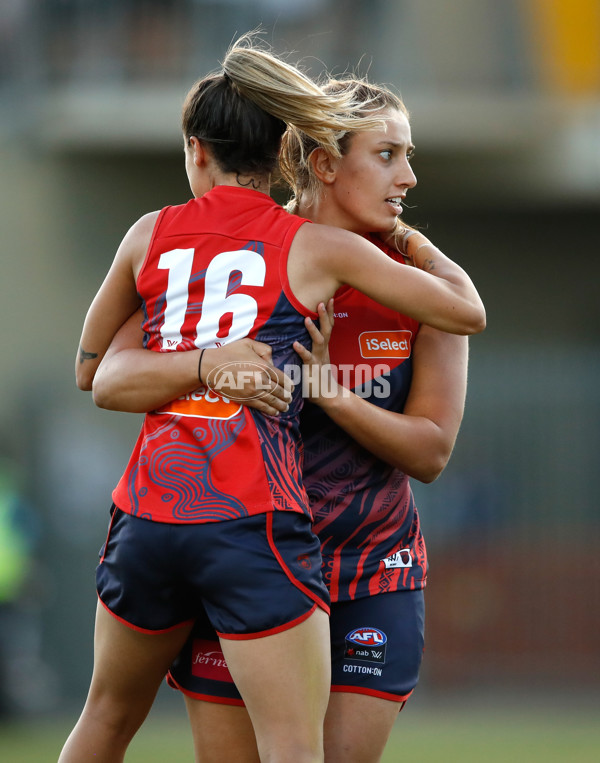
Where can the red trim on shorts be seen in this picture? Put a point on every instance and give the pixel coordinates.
(144, 630)
(110, 524)
(203, 697)
(373, 693)
(288, 572)
(269, 631)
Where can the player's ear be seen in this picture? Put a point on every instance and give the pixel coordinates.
(324, 165)
(199, 151)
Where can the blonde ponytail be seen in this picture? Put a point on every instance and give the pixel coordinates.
(286, 93)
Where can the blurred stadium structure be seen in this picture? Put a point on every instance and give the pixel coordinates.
(505, 103)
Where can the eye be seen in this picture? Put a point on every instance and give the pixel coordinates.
(386, 154)
(410, 154)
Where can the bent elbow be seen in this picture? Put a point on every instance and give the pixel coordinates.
(466, 323)
(472, 321)
(99, 400)
(83, 380)
(429, 469)
(479, 322)
(427, 476)
(111, 397)
(470, 326)
(100, 395)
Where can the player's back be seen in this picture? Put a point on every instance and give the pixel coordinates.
(212, 272)
(215, 272)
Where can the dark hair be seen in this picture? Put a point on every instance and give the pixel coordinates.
(243, 137)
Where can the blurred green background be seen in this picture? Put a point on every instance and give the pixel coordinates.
(505, 110)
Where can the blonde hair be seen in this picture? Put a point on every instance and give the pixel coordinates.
(296, 148)
(243, 111)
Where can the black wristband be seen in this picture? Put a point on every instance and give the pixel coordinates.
(200, 366)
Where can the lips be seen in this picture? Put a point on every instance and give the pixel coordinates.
(396, 203)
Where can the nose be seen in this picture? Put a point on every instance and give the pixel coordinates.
(406, 176)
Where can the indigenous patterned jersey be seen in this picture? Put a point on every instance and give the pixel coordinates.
(216, 271)
(363, 508)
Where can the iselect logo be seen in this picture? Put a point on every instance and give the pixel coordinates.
(385, 344)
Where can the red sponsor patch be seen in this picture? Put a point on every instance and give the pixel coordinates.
(208, 661)
(385, 344)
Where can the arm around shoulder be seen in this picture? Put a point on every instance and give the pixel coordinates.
(447, 300)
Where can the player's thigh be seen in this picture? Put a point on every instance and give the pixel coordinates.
(284, 678)
(129, 665)
(221, 732)
(357, 727)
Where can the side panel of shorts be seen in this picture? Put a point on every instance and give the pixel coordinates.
(380, 659)
(156, 576)
(200, 670)
(377, 644)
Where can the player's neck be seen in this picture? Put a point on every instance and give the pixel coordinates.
(256, 182)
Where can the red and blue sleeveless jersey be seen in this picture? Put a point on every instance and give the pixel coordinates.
(216, 271)
(363, 508)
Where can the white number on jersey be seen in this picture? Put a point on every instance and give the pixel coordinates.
(241, 308)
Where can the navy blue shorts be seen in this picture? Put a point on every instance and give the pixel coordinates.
(249, 577)
(376, 649)
(377, 644)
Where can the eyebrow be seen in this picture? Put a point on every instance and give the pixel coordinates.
(397, 144)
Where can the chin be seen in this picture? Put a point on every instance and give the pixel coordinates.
(385, 228)
(376, 225)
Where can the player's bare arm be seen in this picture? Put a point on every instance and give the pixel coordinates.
(133, 379)
(114, 302)
(433, 411)
(419, 251)
(323, 258)
(84, 355)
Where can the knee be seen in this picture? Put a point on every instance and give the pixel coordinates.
(291, 752)
(115, 720)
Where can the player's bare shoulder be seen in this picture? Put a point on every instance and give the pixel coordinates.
(320, 246)
(136, 241)
(141, 231)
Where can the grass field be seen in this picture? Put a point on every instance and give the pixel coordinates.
(465, 731)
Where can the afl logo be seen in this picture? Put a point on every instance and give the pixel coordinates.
(366, 645)
(367, 637)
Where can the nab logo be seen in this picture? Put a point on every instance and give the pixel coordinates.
(367, 637)
(385, 344)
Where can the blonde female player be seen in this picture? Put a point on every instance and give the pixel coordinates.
(357, 457)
